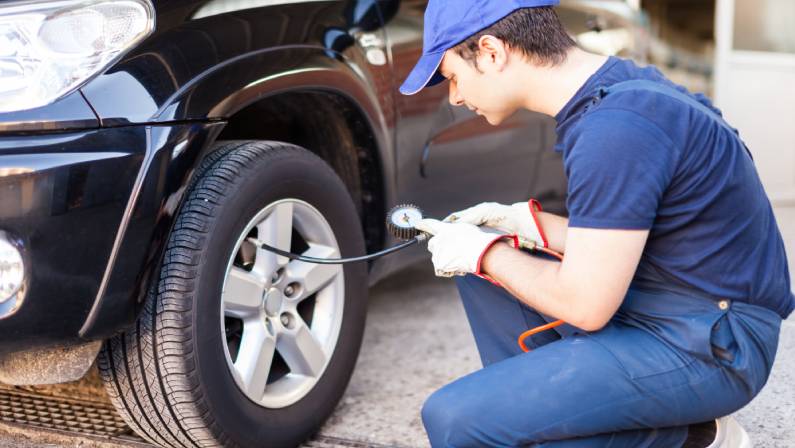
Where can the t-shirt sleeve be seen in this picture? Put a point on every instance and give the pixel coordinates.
(618, 168)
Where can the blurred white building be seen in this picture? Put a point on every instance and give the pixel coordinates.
(755, 87)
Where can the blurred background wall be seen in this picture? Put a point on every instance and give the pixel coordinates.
(755, 86)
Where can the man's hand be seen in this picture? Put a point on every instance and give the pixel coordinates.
(458, 248)
(519, 219)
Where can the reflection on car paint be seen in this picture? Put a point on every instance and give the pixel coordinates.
(218, 7)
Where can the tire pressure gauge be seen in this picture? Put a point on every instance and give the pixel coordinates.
(402, 219)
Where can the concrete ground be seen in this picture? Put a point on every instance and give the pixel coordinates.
(417, 340)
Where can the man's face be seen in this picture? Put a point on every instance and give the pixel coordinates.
(488, 92)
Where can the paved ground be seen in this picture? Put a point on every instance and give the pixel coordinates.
(417, 340)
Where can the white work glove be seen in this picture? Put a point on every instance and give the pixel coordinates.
(458, 248)
(519, 219)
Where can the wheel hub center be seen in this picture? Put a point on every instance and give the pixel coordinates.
(273, 302)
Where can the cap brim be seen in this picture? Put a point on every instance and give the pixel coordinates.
(425, 74)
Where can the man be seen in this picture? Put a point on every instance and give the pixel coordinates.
(674, 280)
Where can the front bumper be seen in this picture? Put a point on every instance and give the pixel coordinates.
(84, 208)
(63, 196)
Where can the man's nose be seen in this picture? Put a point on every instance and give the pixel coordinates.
(455, 98)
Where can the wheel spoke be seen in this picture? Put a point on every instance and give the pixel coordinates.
(301, 350)
(259, 329)
(312, 276)
(255, 357)
(276, 230)
(242, 295)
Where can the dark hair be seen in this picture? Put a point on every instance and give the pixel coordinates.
(535, 32)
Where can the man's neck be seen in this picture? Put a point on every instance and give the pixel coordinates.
(550, 88)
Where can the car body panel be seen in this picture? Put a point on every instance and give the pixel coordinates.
(172, 153)
(63, 196)
(68, 113)
(166, 77)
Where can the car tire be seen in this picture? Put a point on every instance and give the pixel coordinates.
(188, 374)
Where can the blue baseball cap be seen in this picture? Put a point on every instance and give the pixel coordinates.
(450, 22)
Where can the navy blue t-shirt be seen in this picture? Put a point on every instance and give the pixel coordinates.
(642, 160)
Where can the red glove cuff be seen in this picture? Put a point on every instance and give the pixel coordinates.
(514, 239)
(535, 207)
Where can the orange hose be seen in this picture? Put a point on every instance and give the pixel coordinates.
(537, 330)
(548, 326)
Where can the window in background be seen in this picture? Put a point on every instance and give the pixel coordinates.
(764, 25)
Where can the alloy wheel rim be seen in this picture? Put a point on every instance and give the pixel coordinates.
(281, 318)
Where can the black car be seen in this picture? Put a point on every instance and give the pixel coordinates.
(148, 149)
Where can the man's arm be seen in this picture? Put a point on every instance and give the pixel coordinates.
(555, 228)
(584, 290)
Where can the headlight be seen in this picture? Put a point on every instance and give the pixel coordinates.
(50, 48)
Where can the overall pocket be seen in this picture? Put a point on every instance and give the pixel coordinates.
(744, 342)
(685, 323)
(723, 344)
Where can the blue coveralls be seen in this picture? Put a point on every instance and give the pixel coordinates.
(696, 335)
(664, 361)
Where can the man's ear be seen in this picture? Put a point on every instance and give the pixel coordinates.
(493, 52)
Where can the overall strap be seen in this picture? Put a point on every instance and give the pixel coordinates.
(663, 89)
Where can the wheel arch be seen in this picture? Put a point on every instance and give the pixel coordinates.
(261, 100)
(332, 126)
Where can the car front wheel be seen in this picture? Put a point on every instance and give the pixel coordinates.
(237, 346)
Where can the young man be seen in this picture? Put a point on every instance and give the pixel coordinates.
(674, 280)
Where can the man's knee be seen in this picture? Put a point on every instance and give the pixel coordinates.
(446, 418)
(436, 417)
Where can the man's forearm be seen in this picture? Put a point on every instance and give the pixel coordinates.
(554, 227)
(535, 281)
(585, 289)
